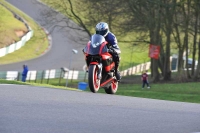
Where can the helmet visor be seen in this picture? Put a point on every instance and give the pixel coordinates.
(103, 32)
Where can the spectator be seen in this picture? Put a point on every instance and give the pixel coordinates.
(144, 79)
(24, 73)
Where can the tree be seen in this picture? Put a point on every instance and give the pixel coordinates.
(71, 11)
(167, 11)
(196, 11)
(147, 16)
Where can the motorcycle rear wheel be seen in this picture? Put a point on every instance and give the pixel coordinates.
(112, 89)
(94, 82)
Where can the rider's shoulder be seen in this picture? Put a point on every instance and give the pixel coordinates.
(111, 34)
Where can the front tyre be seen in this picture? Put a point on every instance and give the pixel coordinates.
(94, 82)
(112, 89)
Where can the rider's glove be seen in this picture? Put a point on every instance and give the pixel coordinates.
(111, 51)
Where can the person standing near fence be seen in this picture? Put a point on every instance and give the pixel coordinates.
(144, 79)
(24, 73)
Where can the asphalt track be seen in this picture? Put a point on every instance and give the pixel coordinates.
(28, 109)
(63, 41)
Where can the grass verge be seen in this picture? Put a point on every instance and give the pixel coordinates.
(33, 48)
(2, 81)
(182, 92)
(8, 27)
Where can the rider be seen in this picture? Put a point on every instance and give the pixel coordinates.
(103, 29)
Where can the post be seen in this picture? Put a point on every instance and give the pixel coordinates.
(48, 76)
(68, 71)
(75, 52)
(60, 77)
(42, 76)
(18, 76)
(36, 77)
(72, 75)
(85, 76)
(30, 77)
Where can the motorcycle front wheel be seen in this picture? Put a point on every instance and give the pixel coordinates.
(94, 82)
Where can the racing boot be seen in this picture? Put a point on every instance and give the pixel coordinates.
(118, 76)
(117, 73)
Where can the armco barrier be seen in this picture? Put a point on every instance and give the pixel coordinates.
(15, 46)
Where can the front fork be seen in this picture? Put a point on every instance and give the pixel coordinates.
(99, 73)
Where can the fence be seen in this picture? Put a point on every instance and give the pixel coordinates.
(59, 76)
(136, 69)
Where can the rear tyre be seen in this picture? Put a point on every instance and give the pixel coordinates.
(112, 89)
(94, 82)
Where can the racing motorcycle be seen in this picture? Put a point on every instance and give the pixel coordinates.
(101, 67)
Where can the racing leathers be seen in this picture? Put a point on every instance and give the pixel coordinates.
(114, 51)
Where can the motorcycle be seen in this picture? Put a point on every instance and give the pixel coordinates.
(101, 67)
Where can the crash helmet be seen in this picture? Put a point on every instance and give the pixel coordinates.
(102, 28)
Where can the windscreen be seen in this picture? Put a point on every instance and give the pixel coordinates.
(96, 45)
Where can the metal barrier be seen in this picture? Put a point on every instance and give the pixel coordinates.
(45, 76)
(61, 74)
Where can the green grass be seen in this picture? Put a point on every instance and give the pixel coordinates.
(186, 92)
(2, 81)
(182, 92)
(33, 48)
(8, 26)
